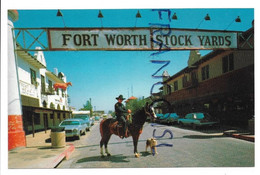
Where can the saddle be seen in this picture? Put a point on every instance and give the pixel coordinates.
(117, 128)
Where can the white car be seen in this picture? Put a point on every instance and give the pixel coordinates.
(74, 127)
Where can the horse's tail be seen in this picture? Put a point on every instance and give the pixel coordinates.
(101, 127)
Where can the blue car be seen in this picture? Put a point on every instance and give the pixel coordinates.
(198, 119)
(158, 117)
(170, 118)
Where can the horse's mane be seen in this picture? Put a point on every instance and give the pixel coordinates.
(139, 117)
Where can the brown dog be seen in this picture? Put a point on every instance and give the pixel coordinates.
(152, 144)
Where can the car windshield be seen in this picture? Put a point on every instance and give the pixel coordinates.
(173, 115)
(69, 123)
(199, 115)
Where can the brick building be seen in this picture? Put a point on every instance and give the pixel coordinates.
(220, 83)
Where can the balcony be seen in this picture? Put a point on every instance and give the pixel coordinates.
(48, 91)
(191, 84)
(28, 89)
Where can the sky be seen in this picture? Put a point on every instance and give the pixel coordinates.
(104, 75)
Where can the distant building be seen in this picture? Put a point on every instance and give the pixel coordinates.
(42, 107)
(220, 83)
(130, 98)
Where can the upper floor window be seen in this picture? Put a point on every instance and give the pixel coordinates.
(205, 72)
(33, 77)
(43, 83)
(228, 63)
(175, 85)
(169, 89)
(50, 86)
(184, 81)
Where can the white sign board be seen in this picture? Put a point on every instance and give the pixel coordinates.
(138, 39)
(179, 39)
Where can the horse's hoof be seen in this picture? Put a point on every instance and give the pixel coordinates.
(137, 155)
(108, 154)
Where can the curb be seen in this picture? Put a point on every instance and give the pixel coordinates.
(244, 137)
(64, 155)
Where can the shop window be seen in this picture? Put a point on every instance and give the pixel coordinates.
(37, 119)
(205, 72)
(228, 63)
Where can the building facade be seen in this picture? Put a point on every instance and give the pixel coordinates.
(42, 106)
(220, 83)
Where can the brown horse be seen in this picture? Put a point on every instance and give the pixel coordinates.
(110, 126)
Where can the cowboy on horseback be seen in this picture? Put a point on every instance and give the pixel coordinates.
(121, 112)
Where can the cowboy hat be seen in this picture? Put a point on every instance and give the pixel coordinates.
(120, 97)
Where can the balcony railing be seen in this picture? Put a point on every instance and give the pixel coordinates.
(48, 91)
(28, 89)
(191, 84)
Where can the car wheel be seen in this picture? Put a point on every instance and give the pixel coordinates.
(78, 137)
(193, 126)
(181, 124)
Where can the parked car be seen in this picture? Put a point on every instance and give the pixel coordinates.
(158, 118)
(86, 119)
(170, 118)
(197, 119)
(73, 127)
(91, 121)
(97, 118)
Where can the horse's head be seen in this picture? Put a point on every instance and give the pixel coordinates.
(149, 110)
(69, 83)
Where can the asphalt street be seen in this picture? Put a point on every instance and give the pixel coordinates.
(187, 148)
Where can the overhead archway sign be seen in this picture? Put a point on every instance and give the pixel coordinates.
(138, 39)
(135, 39)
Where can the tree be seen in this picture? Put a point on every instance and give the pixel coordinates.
(135, 104)
(87, 107)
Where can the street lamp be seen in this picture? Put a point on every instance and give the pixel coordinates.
(100, 15)
(206, 18)
(138, 15)
(59, 14)
(238, 20)
(174, 16)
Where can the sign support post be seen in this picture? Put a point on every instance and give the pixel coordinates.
(16, 134)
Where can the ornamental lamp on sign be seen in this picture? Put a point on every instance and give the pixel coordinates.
(138, 15)
(174, 16)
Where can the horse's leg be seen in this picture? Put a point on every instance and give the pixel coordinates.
(135, 140)
(101, 147)
(106, 142)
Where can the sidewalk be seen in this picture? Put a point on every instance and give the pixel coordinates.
(38, 153)
(240, 134)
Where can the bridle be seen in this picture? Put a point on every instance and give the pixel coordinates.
(150, 111)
